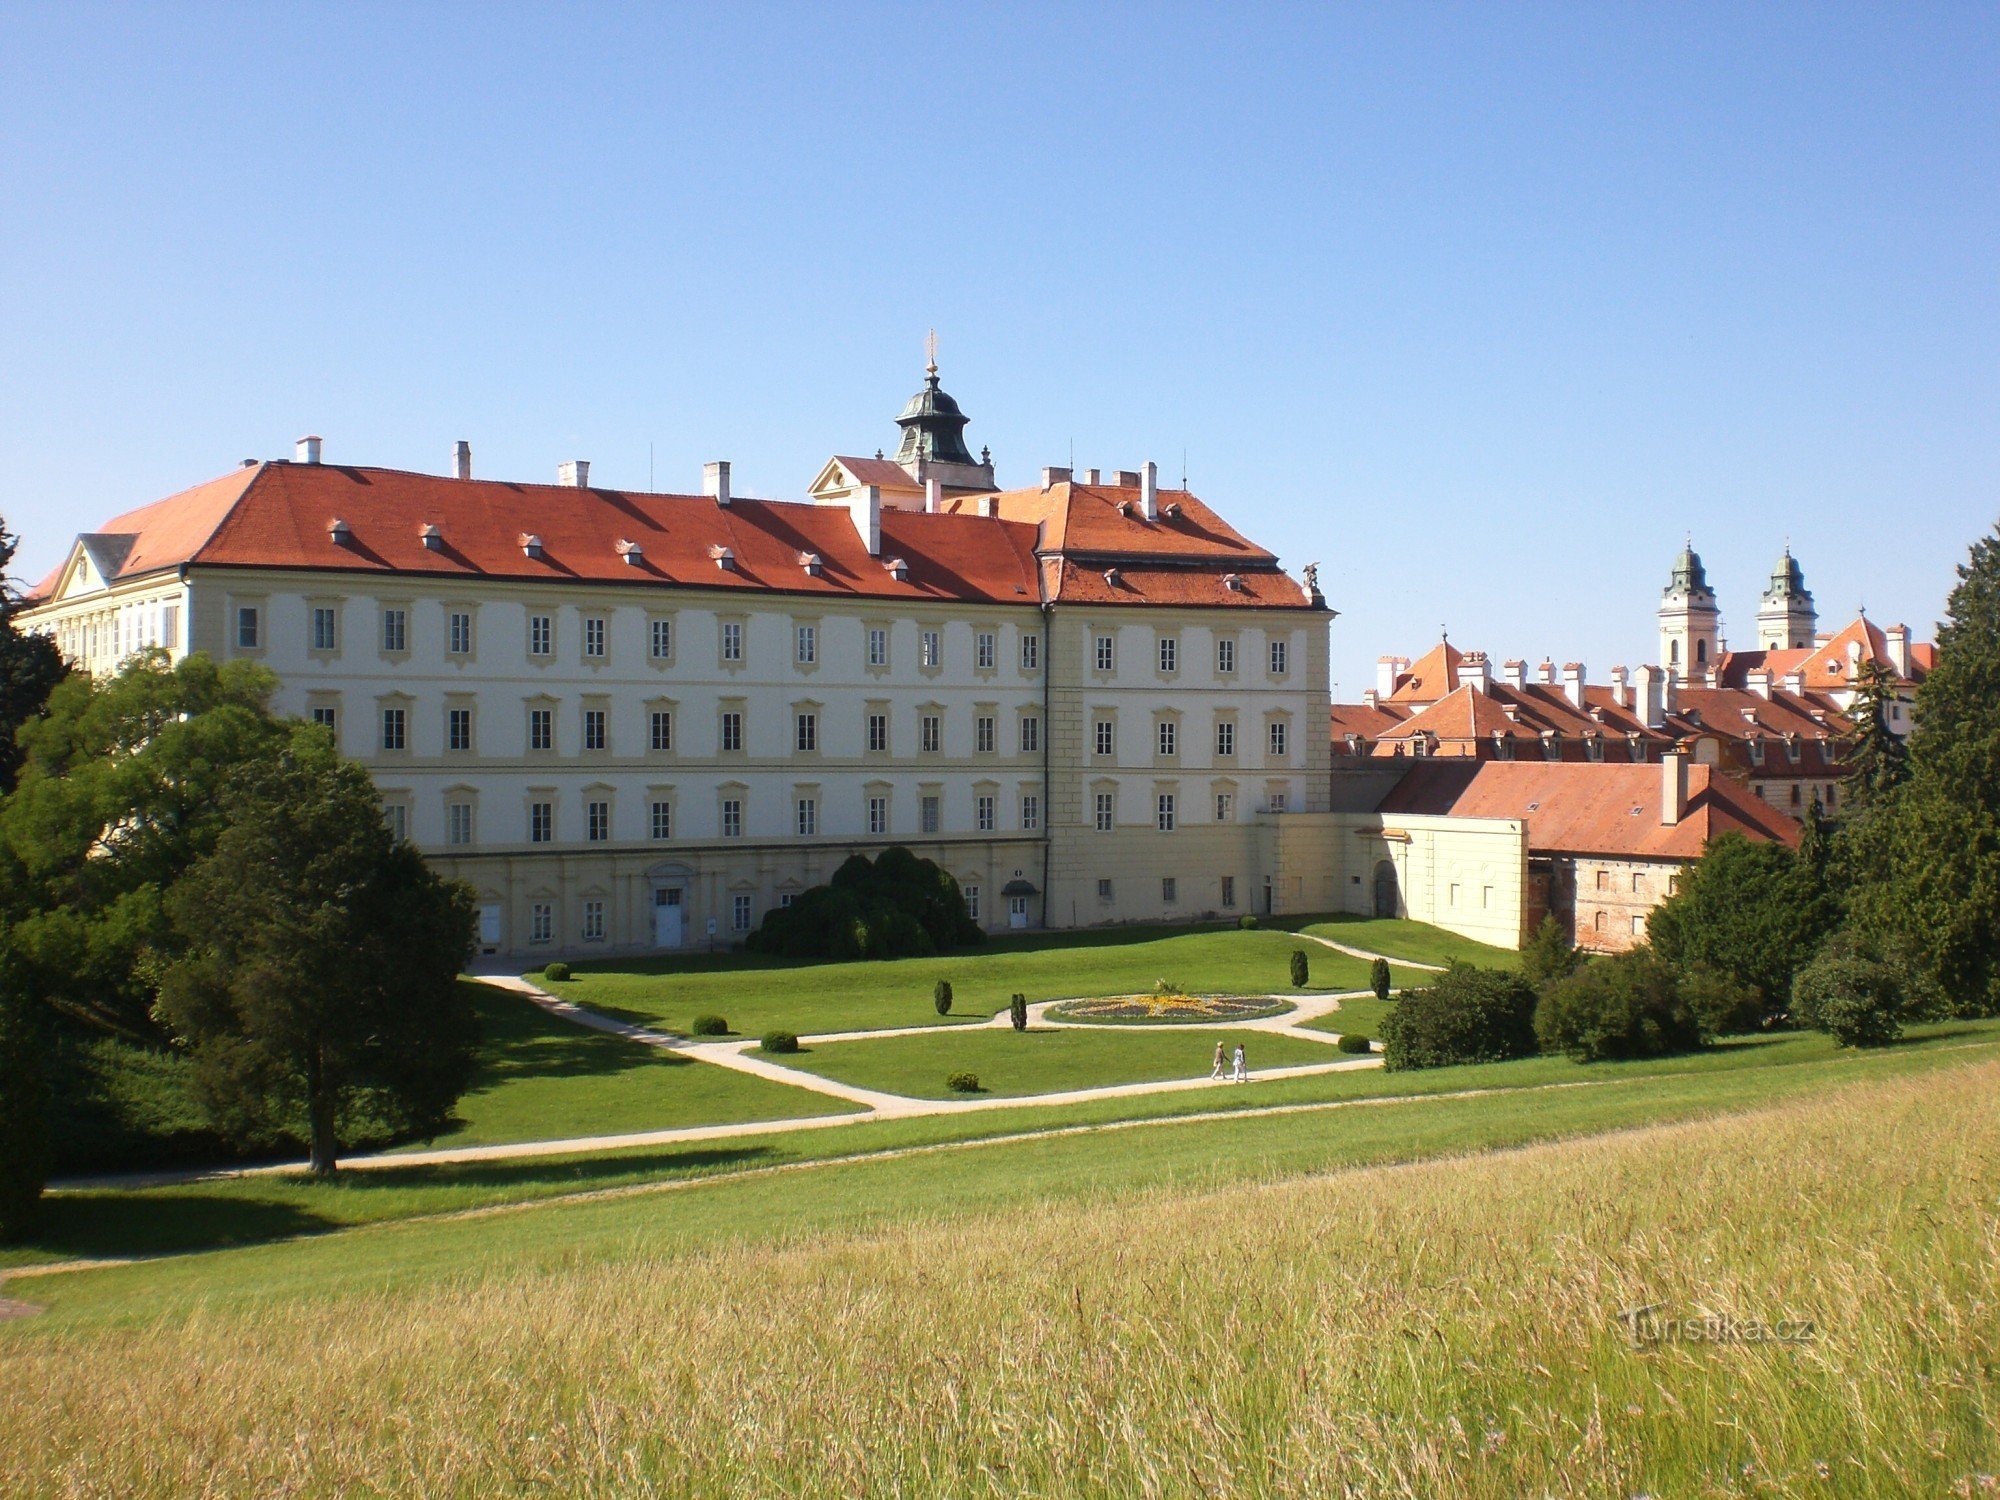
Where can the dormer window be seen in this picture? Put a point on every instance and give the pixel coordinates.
(632, 552)
(1233, 582)
(898, 569)
(1125, 507)
(433, 539)
(1792, 748)
(724, 558)
(1757, 750)
(1171, 510)
(340, 532)
(810, 561)
(531, 545)
(1593, 746)
(1113, 577)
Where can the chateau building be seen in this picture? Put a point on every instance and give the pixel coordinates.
(637, 721)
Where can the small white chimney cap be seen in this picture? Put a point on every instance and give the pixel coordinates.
(307, 450)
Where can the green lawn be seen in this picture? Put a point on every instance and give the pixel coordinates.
(756, 995)
(107, 1222)
(1363, 1015)
(541, 1078)
(1418, 942)
(1045, 1061)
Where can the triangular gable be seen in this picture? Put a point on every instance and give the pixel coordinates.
(94, 562)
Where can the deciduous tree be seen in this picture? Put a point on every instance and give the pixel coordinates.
(30, 668)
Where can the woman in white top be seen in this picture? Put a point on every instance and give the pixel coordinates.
(1241, 1075)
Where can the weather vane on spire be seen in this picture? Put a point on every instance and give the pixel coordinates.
(930, 352)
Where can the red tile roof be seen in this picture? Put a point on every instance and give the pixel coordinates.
(1434, 675)
(1105, 521)
(1604, 809)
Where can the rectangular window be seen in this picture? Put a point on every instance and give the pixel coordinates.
(458, 729)
(1164, 818)
(593, 637)
(327, 716)
(541, 635)
(458, 823)
(1225, 737)
(1170, 653)
(541, 729)
(246, 628)
(541, 822)
(662, 819)
(542, 922)
(982, 734)
(1280, 655)
(1104, 656)
(597, 822)
(807, 649)
(1225, 655)
(170, 629)
(1105, 737)
(878, 733)
(1169, 736)
(933, 649)
(971, 901)
(593, 729)
(324, 637)
(878, 646)
(395, 724)
(1604, 880)
(662, 639)
(878, 814)
(931, 814)
(593, 920)
(740, 909)
(1031, 653)
(808, 811)
(1169, 889)
(395, 630)
(398, 818)
(1103, 890)
(1280, 801)
(1225, 807)
(732, 818)
(1106, 811)
(460, 633)
(732, 729)
(1228, 890)
(732, 640)
(985, 814)
(987, 652)
(1031, 734)
(808, 732)
(933, 734)
(661, 721)
(1277, 737)
(1031, 812)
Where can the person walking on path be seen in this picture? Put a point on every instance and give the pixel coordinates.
(1220, 1070)
(1241, 1075)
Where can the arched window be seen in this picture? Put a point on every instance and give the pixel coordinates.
(1674, 653)
(1598, 921)
(1700, 651)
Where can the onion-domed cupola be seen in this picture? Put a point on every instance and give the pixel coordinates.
(1786, 619)
(1690, 622)
(934, 436)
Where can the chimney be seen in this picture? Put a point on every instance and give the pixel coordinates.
(307, 451)
(933, 495)
(1090, 476)
(1649, 694)
(715, 481)
(1370, 698)
(1795, 682)
(1673, 786)
(1621, 687)
(865, 507)
(1474, 673)
(1759, 682)
(1149, 490)
(1514, 674)
(1573, 683)
(573, 473)
(1387, 670)
(1670, 692)
(1898, 637)
(461, 459)
(1053, 477)
(1545, 674)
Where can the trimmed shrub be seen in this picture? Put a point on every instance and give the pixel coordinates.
(1466, 1015)
(557, 971)
(1017, 1012)
(779, 1041)
(1378, 978)
(1301, 969)
(1247, 922)
(1722, 1003)
(1623, 1007)
(1354, 1041)
(708, 1026)
(964, 1083)
(1856, 1000)
(941, 997)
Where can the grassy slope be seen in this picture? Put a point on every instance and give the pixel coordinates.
(1354, 1334)
(756, 995)
(1046, 1061)
(1418, 942)
(759, 1204)
(1362, 1015)
(541, 1079)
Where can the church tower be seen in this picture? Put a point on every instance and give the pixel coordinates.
(1690, 623)
(1786, 620)
(933, 445)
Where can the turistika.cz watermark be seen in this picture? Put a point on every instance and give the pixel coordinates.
(1650, 1326)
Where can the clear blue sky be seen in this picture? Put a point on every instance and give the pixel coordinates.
(1482, 307)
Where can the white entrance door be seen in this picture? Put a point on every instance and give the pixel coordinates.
(489, 925)
(1017, 911)
(667, 917)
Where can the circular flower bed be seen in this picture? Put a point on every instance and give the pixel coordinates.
(1139, 1009)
